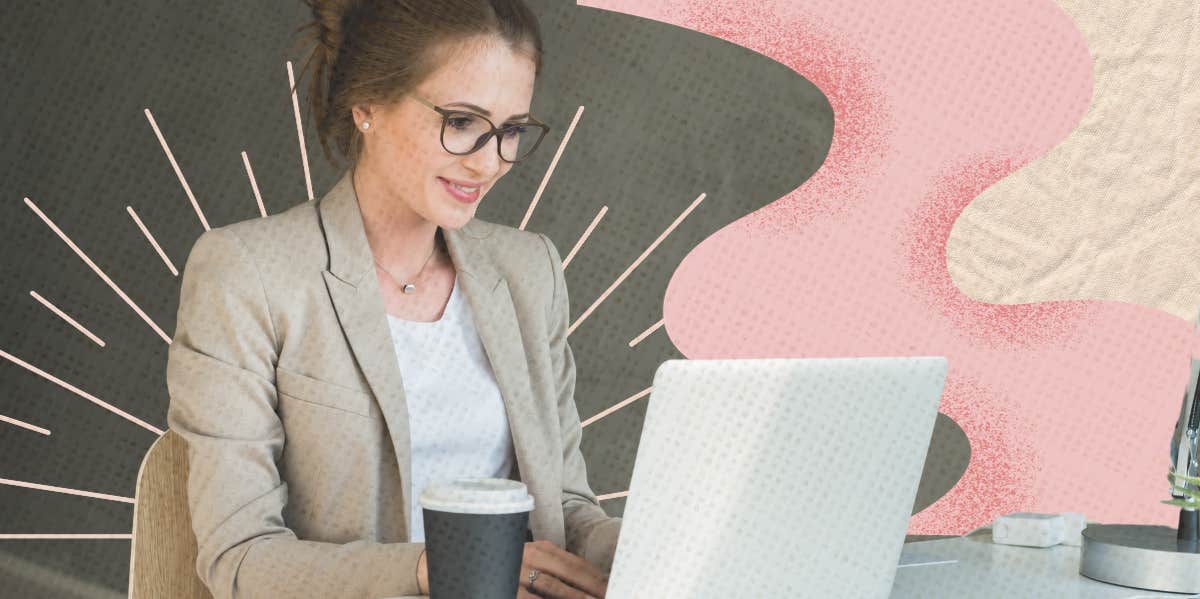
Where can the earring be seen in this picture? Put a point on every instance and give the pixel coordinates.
(366, 125)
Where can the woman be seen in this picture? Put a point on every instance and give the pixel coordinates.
(331, 359)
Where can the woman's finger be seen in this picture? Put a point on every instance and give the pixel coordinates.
(596, 577)
(549, 586)
(566, 566)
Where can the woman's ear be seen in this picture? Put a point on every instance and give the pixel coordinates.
(361, 112)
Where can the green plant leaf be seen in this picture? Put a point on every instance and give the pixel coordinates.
(1192, 494)
(1191, 479)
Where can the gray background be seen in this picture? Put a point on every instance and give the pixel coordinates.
(670, 113)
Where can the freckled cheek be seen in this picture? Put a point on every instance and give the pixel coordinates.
(407, 150)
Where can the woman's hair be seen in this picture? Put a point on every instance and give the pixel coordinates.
(378, 50)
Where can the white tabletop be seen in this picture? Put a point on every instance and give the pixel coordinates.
(982, 568)
(974, 566)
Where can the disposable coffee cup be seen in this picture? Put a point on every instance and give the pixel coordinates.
(475, 537)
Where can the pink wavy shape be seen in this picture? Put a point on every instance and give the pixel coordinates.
(1068, 405)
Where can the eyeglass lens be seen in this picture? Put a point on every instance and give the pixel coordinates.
(465, 132)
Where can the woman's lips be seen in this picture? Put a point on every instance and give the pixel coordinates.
(466, 198)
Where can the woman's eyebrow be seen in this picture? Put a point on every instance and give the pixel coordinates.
(485, 111)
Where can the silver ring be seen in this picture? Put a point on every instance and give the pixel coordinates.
(533, 574)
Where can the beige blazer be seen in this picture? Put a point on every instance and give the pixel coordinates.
(285, 384)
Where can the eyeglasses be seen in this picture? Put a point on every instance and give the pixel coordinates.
(464, 132)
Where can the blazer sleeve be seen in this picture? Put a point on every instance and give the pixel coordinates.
(591, 533)
(221, 381)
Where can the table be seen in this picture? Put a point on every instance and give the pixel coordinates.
(985, 569)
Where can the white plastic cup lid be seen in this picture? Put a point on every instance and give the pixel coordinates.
(477, 496)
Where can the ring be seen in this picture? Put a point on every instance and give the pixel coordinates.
(533, 574)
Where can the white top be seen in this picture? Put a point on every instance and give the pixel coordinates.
(457, 421)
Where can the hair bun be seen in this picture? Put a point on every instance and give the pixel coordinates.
(331, 17)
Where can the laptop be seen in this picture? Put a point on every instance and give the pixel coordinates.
(776, 477)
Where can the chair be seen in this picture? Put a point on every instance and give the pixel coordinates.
(162, 558)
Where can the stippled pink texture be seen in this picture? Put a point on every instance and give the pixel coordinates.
(1069, 405)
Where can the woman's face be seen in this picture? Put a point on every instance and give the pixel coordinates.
(403, 157)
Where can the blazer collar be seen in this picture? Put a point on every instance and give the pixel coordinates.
(350, 256)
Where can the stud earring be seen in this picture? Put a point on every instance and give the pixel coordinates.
(366, 125)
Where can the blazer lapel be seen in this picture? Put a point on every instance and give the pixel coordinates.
(359, 304)
(496, 321)
(354, 291)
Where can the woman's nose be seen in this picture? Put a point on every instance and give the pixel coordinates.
(485, 160)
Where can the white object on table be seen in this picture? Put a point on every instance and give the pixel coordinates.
(1028, 529)
(1075, 522)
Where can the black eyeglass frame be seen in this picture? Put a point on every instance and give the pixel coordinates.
(495, 131)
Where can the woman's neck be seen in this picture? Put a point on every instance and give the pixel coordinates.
(400, 239)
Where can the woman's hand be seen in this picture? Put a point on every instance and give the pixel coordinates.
(563, 575)
(422, 574)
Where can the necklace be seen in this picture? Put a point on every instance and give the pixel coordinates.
(409, 287)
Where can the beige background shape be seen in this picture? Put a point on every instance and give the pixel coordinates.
(1113, 212)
